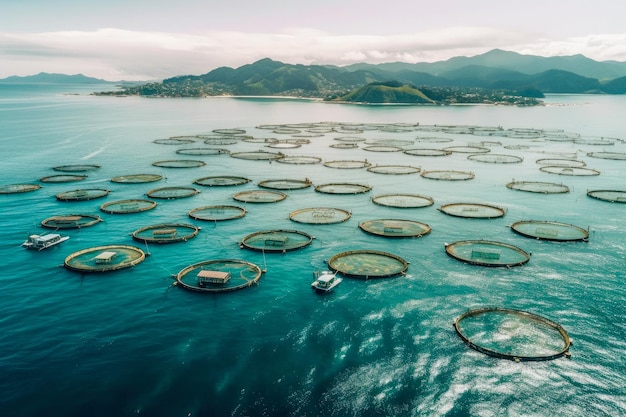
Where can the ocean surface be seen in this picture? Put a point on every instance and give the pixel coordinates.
(129, 342)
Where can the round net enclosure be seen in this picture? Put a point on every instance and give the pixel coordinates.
(230, 131)
(127, 206)
(257, 155)
(467, 149)
(347, 164)
(403, 200)
(472, 210)
(276, 240)
(560, 162)
(493, 158)
(285, 184)
(613, 196)
(538, 187)
(427, 152)
(137, 178)
(166, 233)
(448, 175)
(71, 221)
(621, 156)
(433, 139)
(549, 230)
(320, 215)
(202, 151)
(382, 148)
(82, 195)
(76, 168)
(104, 258)
(395, 228)
(260, 196)
(221, 141)
(299, 160)
(175, 141)
(573, 171)
(170, 193)
(350, 139)
(179, 163)
(18, 188)
(368, 264)
(394, 169)
(217, 213)
(512, 334)
(223, 180)
(62, 178)
(343, 188)
(346, 145)
(283, 145)
(487, 253)
(218, 275)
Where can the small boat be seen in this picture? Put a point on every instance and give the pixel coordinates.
(40, 242)
(325, 281)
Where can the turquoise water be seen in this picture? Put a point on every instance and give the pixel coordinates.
(130, 343)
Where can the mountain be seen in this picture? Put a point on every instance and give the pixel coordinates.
(47, 78)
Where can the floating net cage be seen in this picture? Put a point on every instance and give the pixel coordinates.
(257, 155)
(467, 149)
(202, 151)
(284, 145)
(595, 141)
(170, 193)
(220, 141)
(104, 258)
(392, 143)
(559, 162)
(299, 160)
(493, 158)
(432, 139)
(260, 140)
(18, 188)
(175, 141)
(260, 196)
(448, 175)
(383, 148)
(350, 139)
(179, 163)
(347, 164)
(394, 169)
(285, 184)
(428, 152)
(127, 206)
(344, 145)
(403, 200)
(137, 178)
(343, 188)
(472, 210)
(223, 180)
(276, 240)
(538, 187)
(217, 213)
(613, 196)
(621, 156)
(512, 334)
(82, 195)
(573, 171)
(549, 230)
(219, 275)
(368, 264)
(76, 168)
(487, 253)
(395, 228)
(62, 178)
(229, 131)
(166, 233)
(71, 221)
(320, 215)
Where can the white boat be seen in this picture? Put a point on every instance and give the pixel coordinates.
(325, 281)
(40, 242)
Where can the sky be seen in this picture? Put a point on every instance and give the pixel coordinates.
(140, 40)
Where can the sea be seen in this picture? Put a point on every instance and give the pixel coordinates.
(130, 342)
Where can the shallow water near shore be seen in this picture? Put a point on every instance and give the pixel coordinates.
(129, 342)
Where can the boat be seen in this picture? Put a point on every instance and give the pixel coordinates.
(40, 242)
(325, 281)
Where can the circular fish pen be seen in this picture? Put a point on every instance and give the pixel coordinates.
(202, 151)
(219, 275)
(346, 145)
(395, 228)
(175, 141)
(559, 162)
(299, 160)
(166, 233)
(613, 196)
(618, 156)
(538, 187)
(62, 178)
(223, 180)
(170, 193)
(225, 141)
(260, 196)
(229, 131)
(343, 188)
(347, 164)
(394, 169)
(18, 188)
(276, 240)
(76, 168)
(283, 145)
(82, 195)
(493, 158)
(428, 152)
(286, 184)
(472, 210)
(127, 206)
(320, 215)
(383, 148)
(368, 264)
(136, 178)
(349, 139)
(257, 156)
(104, 258)
(487, 253)
(467, 149)
(549, 230)
(433, 139)
(179, 163)
(217, 213)
(511, 334)
(573, 171)
(403, 200)
(71, 221)
(448, 175)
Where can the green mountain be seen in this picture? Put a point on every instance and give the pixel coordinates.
(47, 78)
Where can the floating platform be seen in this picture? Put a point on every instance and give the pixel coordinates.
(347, 164)
(472, 210)
(487, 253)
(76, 168)
(538, 187)
(179, 163)
(170, 193)
(82, 195)
(572, 171)
(128, 206)
(203, 151)
(493, 158)
(63, 178)
(613, 196)
(320, 215)
(260, 196)
(166, 233)
(71, 221)
(257, 156)
(18, 188)
(276, 240)
(368, 264)
(343, 188)
(299, 160)
(447, 175)
(241, 274)
(104, 258)
(136, 178)
(467, 149)
(561, 162)
(403, 200)
(549, 230)
(285, 184)
(618, 156)
(217, 213)
(394, 169)
(396, 228)
(176, 141)
(221, 181)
